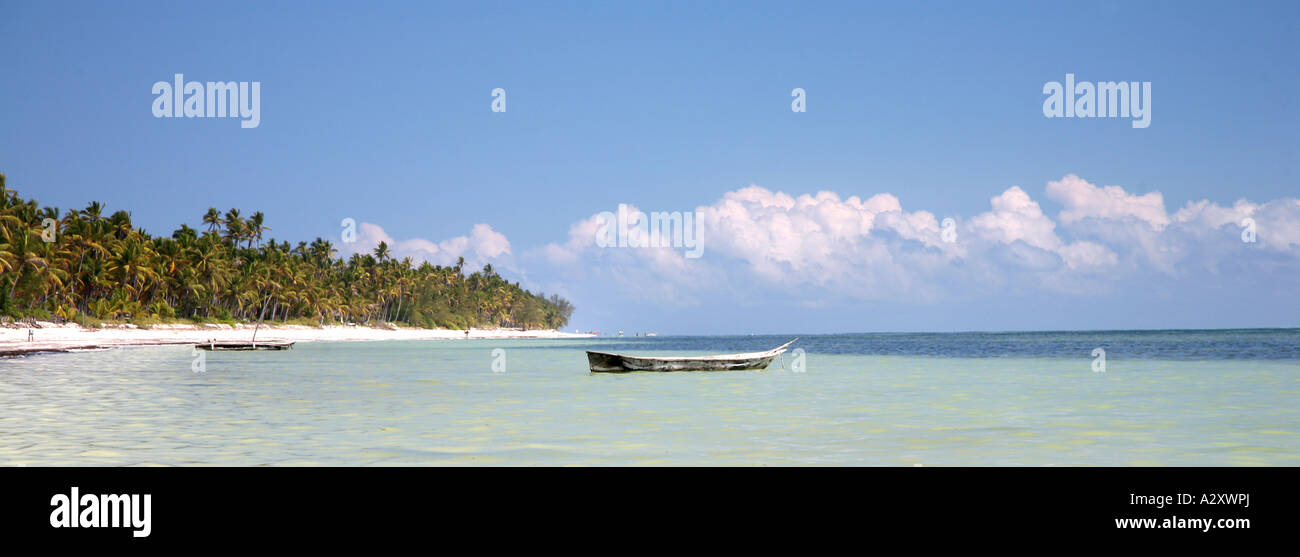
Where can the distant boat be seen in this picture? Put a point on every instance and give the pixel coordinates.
(615, 363)
(265, 345)
(252, 343)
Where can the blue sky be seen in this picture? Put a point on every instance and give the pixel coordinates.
(382, 114)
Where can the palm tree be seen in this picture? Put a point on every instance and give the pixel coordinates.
(24, 254)
(94, 211)
(234, 226)
(213, 219)
(255, 227)
(382, 252)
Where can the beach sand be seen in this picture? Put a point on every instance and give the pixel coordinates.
(52, 337)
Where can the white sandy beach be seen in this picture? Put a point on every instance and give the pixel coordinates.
(55, 337)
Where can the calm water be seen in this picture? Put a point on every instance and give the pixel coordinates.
(1166, 398)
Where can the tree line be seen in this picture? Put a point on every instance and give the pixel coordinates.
(87, 266)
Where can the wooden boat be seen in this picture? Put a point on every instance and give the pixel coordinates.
(615, 363)
(252, 344)
(264, 345)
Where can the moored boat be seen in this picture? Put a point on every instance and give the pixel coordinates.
(616, 363)
(252, 343)
(265, 345)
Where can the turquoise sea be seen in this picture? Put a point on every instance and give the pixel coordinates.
(1174, 398)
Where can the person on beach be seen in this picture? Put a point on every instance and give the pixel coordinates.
(466, 334)
(30, 335)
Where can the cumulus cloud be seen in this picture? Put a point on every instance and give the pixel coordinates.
(482, 245)
(823, 245)
(784, 241)
(1277, 222)
(1015, 217)
(1083, 200)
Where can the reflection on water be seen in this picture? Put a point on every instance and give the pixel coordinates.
(439, 403)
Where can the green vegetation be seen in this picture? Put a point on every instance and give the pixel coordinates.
(99, 268)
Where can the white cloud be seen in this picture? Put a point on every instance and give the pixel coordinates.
(823, 246)
(1209, 216)
(1277, 222)
(1083, 200)
(1081, 255)
(815, 240)
(1017, 217)
(1278, 225)
(482, 245)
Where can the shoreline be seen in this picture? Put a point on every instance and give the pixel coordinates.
(51, 337)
